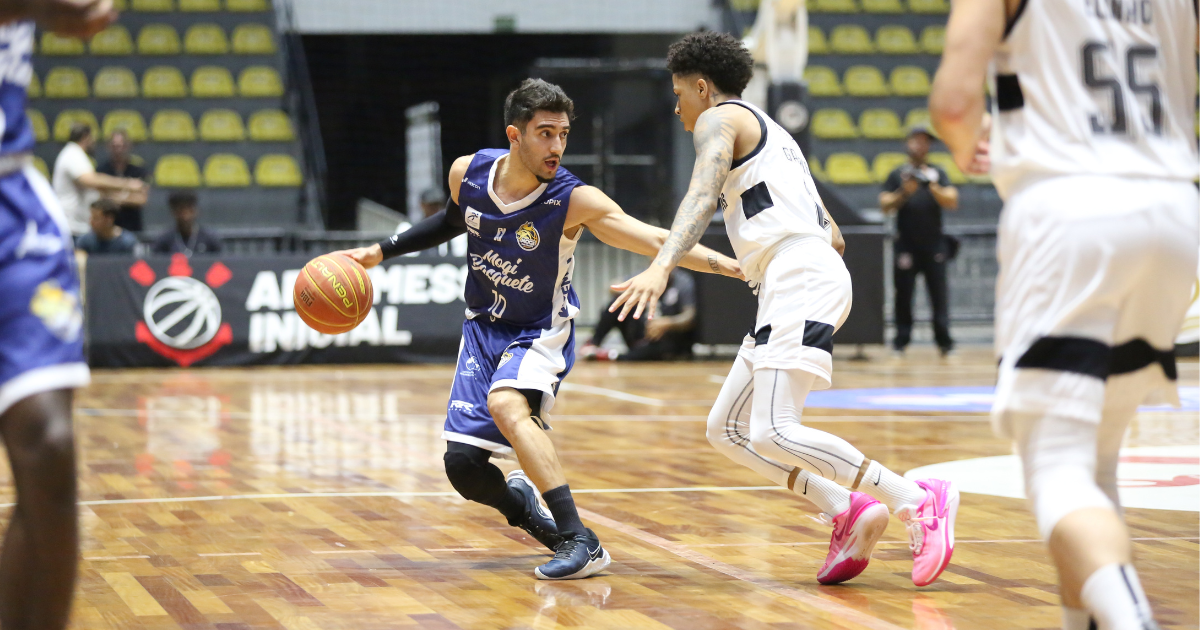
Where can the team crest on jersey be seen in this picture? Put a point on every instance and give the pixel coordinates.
(527, 237)
(58, 309)
(504, 358)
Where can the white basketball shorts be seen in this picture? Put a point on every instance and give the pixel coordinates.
(804, 298)
(1095, 279)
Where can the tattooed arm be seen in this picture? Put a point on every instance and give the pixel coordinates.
(714, 139)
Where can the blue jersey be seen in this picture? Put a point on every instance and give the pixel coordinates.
(520, 261)
(16, 70)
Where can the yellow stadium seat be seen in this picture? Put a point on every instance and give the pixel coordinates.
(247, 6)
(34, 89)
(114, 40)
(40, 165)
(917, 117)
(157, 6)
(835, 6)
(66, 82)
(163, 82)
(277, 170)
(880, 124)
(894, 39)
(115, 82)
(177, 171)
(817, 44)
(260, 81)
(57, 45)
(125, 119)
(814, 167)
(212, 82)
(41, 131)
(221, 125)
(848, 168)
(121, 5)
(205, 39)
(865, 81)
(225, 170)
(256, 39)
(929, 6)
(946, 162)
(885, 163)
(851, 39)
(882, 6)
(199, 5)
(833, 124)
(172, 125)
(933, 39)
(68, 117)
(910, 81)
(157, 39)
(822, 81)
(271, 125)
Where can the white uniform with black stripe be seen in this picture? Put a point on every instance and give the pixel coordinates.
(781, 236)
(1094, 149)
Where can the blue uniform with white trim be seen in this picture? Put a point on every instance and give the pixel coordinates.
(519, 331)
(41, 320)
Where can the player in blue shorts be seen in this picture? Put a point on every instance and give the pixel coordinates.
(41, 336)
(524, 215)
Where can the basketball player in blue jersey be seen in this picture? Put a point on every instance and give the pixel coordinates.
(524, 215)
(41, 336)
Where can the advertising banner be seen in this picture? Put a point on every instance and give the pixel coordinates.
(238, 310)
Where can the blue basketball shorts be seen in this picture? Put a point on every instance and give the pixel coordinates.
(41, 317)
(494, 355)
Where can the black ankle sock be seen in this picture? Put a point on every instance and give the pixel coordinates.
(562, 506)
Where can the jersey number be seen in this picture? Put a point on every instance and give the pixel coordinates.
(498, 305)
(1119, 124)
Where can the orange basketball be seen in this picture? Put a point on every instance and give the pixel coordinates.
(333, 294)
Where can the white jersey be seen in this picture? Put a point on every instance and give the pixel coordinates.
(770, 197)
(1097, 87)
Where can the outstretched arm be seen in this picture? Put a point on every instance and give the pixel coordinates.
(714, 137)
(593, 209)
(80, 18)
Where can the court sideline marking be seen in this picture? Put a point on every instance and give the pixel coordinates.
(836, 610)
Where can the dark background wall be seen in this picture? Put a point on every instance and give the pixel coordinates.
(363, 84)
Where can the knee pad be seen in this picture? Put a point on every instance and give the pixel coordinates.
(1059, 458)
(473, 476)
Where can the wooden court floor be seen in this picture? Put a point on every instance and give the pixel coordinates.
(314, 498)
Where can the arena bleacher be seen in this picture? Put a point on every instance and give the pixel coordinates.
(199, 86)
(869, 70)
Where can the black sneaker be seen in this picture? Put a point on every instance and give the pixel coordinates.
(575, 558)
(537, 522)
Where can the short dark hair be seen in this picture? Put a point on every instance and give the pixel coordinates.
(181, 199)
(107, 206)
(532, 96)
(719, 57)
(79, 131)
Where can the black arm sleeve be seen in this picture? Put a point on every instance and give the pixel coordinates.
(431, 232)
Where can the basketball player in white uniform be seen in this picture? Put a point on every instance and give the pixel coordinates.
(752, 170)
(1092, 147)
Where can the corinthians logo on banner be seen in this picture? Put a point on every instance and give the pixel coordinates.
(181, 315)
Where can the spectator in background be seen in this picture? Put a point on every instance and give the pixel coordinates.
(77, 184)
(918, 192)
(187, 237)
(122, 163)
(106, 236)
(668, 336)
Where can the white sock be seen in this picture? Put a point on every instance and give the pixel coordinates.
(1114, 597)
(892, 489)
(831, 498)
(1075, 619)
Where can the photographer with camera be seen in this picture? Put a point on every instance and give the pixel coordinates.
(918, 192)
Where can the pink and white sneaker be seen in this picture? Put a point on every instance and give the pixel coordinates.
(931, 529)
(855, 533)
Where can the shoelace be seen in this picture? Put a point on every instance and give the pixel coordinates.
(565, 550)
(916, 533)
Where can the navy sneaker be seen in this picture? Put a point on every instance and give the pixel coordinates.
(577, 557)
(537, 521)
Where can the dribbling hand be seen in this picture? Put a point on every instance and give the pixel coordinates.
(77, 18)
(366, 256)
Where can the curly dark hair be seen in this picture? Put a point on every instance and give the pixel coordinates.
(532, 96)
(719, 57)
